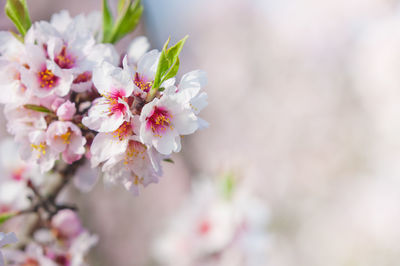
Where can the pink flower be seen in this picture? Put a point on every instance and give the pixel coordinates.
(66, 137)
(66, 111)
(67, 223)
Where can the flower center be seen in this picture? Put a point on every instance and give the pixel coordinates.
(159, 121)
(47, 79)
(41, 148)
(124, 131)
(84, 77)
(66, 137)
(141, 83)
(137, 180)
(65, 60)
(115, 105)
(135, 150)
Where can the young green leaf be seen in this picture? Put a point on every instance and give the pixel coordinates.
(128, 21)
(17, 11)
(37, 108)
(168, 65)
(172, 71)
(122, 4)
(129, 14)
(163, 65)
(107, 22)
(6, 216)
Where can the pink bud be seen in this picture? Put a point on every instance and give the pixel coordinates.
(67, 223)
(66, 111)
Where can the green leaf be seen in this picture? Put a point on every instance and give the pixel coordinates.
(38, 108)
(163, 65)
(168, 160)
(107, 22)
(168, 65)
(17, 11)
(6, 216)
(128, 18)
(128, 21)
(172, 71)
(122, 4)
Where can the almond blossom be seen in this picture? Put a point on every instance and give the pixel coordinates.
(164, 120)
(111, 110)
(66, 138)
(69, 100)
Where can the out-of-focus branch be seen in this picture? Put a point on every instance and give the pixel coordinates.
(45, 205)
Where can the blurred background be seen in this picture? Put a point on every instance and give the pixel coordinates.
(304, 106)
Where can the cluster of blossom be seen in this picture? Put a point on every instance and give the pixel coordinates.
(67, 96)
(214, 228)
(63, 242)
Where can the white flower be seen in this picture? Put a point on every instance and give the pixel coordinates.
(189, 87)
(109, 112)
(137, 166)
(6, 239)
(21, 121)
(44, 77)
(164, 120)
(36, 149)
(211, 229)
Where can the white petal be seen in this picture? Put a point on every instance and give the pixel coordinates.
(137, 48)
(105, 146)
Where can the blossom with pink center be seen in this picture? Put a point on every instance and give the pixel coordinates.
(66, 138)
(110, 111)
(66, 111)
(164, 120)
(137, 166)
(44, 77)
(144, 73)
